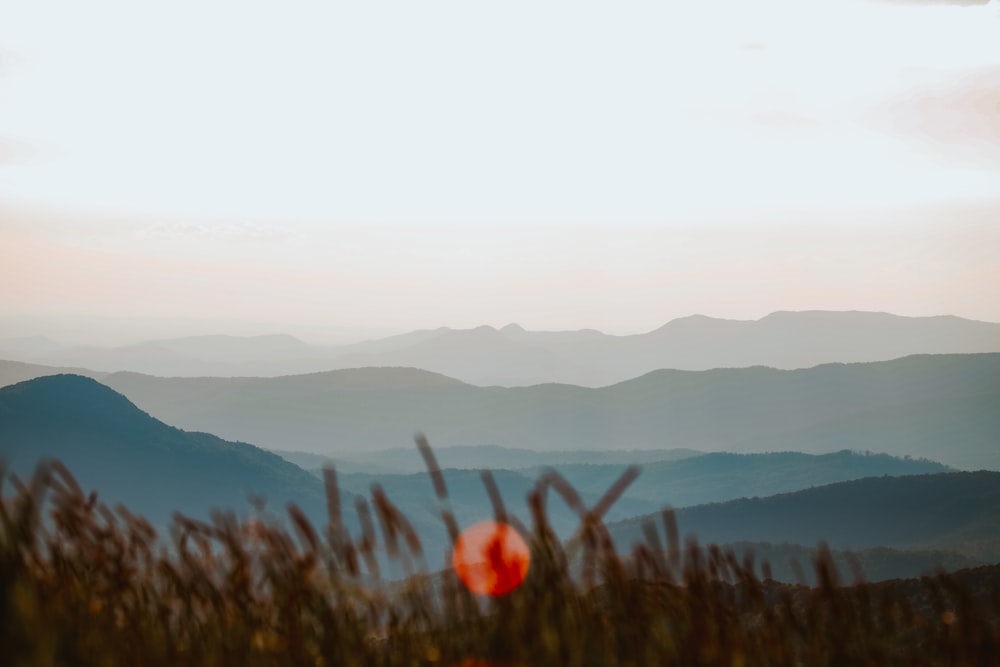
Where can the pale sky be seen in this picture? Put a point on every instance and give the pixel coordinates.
(338, 169)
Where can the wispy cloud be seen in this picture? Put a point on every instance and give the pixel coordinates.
(15, 152)
(959, 121)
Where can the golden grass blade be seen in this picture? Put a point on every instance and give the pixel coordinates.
(499, 511)
(437, 479)
(612, 495)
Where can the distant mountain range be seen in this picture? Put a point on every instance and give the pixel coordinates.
(133, 458)
(941, 407)
(154, 469)
(513, 356)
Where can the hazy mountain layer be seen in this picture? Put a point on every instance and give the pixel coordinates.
(691, 481)
(723, 476)
(513, 356)
(939, 407)
(401, 460)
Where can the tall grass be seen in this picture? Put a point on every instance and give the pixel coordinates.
(82, 584)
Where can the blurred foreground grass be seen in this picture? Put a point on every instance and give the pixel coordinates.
(81, 584)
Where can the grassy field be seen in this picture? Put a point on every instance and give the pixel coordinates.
(82, 584)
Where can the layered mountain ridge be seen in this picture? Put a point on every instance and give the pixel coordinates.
(514, 356)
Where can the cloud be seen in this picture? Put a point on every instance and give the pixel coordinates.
(15, 152)
(958, 122)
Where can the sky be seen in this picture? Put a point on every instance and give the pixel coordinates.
(342, 170)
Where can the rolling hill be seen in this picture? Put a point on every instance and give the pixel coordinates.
(957, 512)
(129, 457)
(724, 476)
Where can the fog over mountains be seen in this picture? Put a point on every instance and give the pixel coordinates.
(942, 407)
(513, 356)
(130, 457)
(722, 415)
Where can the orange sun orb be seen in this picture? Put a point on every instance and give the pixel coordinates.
(491, 558)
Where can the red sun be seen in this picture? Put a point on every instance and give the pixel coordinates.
(491, 558)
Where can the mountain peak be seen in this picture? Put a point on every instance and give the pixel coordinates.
(379, 377)
(68, 400)
(689, 321)
(127, 456)
(64, 385)
(482, 332)
(60, 384)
